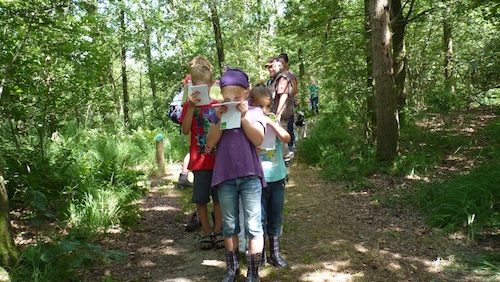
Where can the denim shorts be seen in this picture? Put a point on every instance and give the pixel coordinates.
(249, 189)
(202, 189)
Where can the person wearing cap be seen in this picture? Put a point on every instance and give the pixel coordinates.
(238, 175)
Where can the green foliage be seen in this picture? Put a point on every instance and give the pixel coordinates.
(59, 261)
(337, 147)
(470, 201)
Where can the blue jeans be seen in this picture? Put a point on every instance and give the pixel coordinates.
(314, 104)
(273, 199)
(249, 189)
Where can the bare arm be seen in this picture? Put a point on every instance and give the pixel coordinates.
(282, 134)
(188, 120)
(282, 90)
(253, 131)
(213, 136)
(188, 117)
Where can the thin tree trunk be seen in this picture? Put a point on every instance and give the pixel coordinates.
(371, 118)
(116, 96)
(218, 33)
(387, 118)
(302, 73)
(448, 51)
(398, 24)
(141, 98)
(8, 250)
(152, 80)
(124, 69)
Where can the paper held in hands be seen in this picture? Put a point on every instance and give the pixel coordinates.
(269, 139)
(230, 119)
(203, 94)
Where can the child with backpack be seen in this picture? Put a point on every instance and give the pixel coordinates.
(273, 196)
(238, 174)
(195, 120)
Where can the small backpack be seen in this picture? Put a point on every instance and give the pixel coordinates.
(175, 107)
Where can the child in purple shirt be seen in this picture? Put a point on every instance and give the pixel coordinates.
(238, 174)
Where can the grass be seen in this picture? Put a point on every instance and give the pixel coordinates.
(470, 201)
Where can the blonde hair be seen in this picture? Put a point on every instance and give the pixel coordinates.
(201, 70)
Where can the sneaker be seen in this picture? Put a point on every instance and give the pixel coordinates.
(184, 181)
(193, 224)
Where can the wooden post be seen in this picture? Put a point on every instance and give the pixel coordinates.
(160, 157)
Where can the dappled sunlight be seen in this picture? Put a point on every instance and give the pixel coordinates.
(160, 208)
(146, 263)
(212, 262)
(328, 276)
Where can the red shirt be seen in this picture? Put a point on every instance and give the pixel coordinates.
(199, 128)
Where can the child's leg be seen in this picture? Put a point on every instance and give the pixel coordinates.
(251, 193)
(242, 241)
(201, 197)
(227, 193)
(276, 192)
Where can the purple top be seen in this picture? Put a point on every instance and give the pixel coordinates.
(236, 156)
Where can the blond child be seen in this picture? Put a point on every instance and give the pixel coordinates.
(195, 120)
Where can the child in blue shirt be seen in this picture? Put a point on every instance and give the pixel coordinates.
(273, 197)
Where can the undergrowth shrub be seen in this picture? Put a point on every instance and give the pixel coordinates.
(470, 201)
(338, 148)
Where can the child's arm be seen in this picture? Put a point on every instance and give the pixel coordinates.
(187, 121)
(282, 90)
(282, 134)
(214, 134)
(254, 132)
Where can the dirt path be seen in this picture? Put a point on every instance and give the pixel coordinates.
(330, 234)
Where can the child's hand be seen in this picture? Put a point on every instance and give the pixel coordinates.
(243, 108)
(193, 98)
(220, 111)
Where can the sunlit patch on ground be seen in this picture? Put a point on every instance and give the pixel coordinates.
(160, 208)
(329, 276)
(213, 262)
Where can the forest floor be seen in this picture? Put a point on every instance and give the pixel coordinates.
(333, 231)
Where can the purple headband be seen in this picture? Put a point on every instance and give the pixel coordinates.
(234, 77)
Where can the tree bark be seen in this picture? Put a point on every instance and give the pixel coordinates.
(398, 24)
(387, 118)
(124, 69)
(302, 73)
(371, 118)
(147, 47)
(448, 51)
(218, 34)
(8, 250)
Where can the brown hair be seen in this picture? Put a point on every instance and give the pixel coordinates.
(201, 70)
(259, 92)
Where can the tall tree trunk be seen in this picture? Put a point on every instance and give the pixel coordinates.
(448, 51)
(371, 118)
(302, 73)
(217, 32)
(152, 80)
(8, 250)
(124, 68)
(398, 24)
(387, 118)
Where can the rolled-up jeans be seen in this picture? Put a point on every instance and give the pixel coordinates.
(249, 189)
